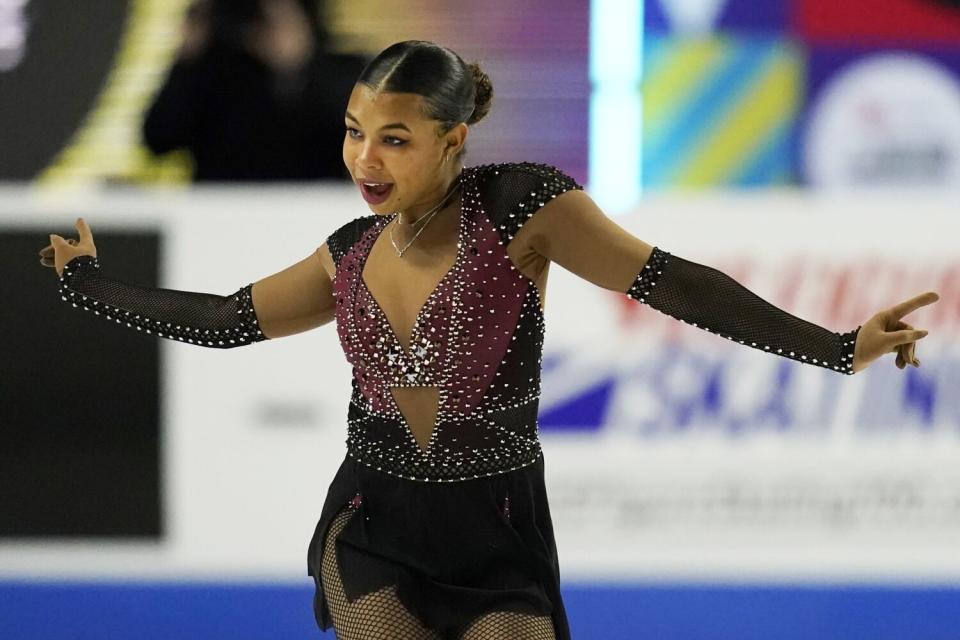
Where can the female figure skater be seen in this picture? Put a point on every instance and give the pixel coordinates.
(436, 524)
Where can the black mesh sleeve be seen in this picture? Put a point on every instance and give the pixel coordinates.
(713, 301)
(221, 322)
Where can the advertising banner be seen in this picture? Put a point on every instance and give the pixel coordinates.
(881, 22)
(879, 118)
(671, 453)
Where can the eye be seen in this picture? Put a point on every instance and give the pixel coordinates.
(392, 141)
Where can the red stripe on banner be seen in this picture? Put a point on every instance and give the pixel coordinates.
(879, 21)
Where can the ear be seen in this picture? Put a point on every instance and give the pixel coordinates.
(455, 139)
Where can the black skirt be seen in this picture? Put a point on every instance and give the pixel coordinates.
(454, 550)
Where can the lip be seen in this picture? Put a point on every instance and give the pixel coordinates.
(372, 197)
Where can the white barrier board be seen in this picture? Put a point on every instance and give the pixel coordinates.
(670, 452)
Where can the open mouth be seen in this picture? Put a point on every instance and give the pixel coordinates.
(375, 192)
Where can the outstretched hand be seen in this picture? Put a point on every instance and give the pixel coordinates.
(885, 333)
(59, 252)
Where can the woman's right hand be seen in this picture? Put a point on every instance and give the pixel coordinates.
(59, 252)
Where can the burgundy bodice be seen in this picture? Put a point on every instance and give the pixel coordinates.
(478, 338)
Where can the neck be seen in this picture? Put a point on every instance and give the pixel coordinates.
(412, 214)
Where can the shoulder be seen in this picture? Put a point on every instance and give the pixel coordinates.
(512, 192)
(340, 241)
(504, 174)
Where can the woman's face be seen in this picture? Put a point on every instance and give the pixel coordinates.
(390, 143)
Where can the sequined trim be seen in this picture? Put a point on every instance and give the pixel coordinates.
(552, 183)
(848, 344)
(472, 446)
(384, 469)
(478, 337)
(340, 241)
(648, 276)
(659, 261)
(247, 330)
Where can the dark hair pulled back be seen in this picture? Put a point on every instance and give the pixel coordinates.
(453, 90)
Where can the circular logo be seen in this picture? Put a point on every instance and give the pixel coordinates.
(887, 120)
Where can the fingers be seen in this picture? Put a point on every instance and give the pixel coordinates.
(84, 230)
(905, 352)
(49, 251)
(903, 308)
(61, 251)
(48, 255)
(905, 356)
(55, 240)
(908, 335)
(895, 339)
(903, 343)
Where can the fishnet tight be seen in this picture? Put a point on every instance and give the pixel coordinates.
(381, 616)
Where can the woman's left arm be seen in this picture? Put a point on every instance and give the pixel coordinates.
(573, 231)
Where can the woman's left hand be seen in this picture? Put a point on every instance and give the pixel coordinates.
(885, 333)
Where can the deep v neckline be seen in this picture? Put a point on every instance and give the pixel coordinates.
(389, 326)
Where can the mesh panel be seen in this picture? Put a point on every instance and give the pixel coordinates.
(373, 616)
(199, 318)
(513, 192)
(506, 625)
(381, 616)
(711, 300)
(480, 446)
(340, 241)
(520, 419)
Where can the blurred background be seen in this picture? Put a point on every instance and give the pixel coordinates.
(808, 148)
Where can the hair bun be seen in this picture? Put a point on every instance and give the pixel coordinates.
(483, 98)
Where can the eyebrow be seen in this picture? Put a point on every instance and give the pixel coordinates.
(392, 125)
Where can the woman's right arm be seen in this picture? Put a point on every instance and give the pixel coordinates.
(297, 299)
(291, 301)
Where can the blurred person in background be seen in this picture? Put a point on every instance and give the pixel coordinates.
(254, 95)
(14, 29)
(436, 524)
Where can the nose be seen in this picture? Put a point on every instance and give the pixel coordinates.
(368, 157)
